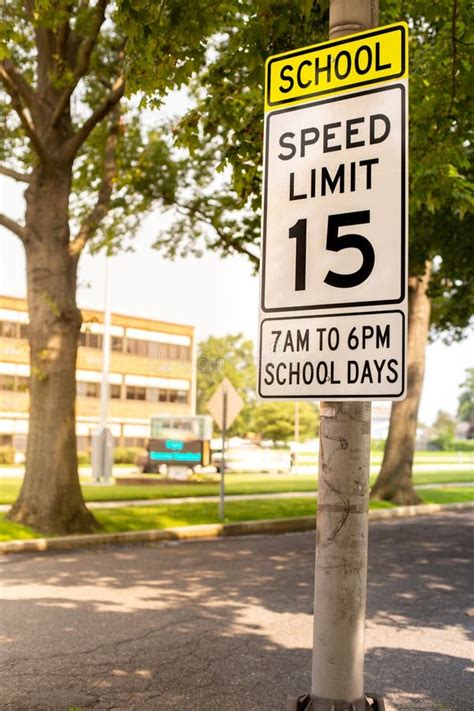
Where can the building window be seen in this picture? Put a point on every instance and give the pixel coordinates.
(163, 395)
(136, 347)
(116, 343)
(174, 396)
(7, 382)
(136, 392)
(88, 389)
(90, 340)
(16, 383)
(23, 330)
(94, 340)
(185, 353)
(6, 440)
(8, 329)
(134, 442)
(22, 384)
(152, 394)
(115, 391)
(154, 349)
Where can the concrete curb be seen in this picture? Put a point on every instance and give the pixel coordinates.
(213, 530)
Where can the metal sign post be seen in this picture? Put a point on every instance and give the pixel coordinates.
(224, 405)
(333, 304)
(224, 434)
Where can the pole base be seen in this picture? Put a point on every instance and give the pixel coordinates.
(306, 702)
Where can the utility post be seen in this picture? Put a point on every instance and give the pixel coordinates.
(102, 439)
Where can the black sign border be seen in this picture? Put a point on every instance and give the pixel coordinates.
(345, 40)
(384, 396)
(318, 307)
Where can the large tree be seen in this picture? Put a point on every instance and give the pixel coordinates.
(91, 171)
(228, 119)
(466, 398)
(230, 357)
(276, 421)
(441, 224)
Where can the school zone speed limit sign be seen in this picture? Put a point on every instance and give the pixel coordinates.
(334, 228)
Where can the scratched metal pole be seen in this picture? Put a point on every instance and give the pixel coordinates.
(224, 434)
(343, 493)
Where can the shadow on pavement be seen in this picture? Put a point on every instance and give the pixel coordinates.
(223, 625)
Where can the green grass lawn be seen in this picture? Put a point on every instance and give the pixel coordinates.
(139, 518)
(235, 484)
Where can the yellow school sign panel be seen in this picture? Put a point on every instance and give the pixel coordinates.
(359, 60)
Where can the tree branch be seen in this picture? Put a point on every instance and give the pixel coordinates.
(13, 226)
(454, 55)
(82, 61)
(27, 94)
(23, 112)
(109, 103)
(21, 177)
(99, 211)
(224, 241)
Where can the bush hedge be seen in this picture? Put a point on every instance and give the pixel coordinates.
(128, 455)
(7, 455)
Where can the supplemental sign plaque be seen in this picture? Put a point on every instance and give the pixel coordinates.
(334, 228)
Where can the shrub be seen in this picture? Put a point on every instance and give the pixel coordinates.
(463, 445)
(443, 442)
(84, 458)
(128, 455)
(7, 455)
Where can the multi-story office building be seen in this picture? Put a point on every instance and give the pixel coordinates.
(152, 372)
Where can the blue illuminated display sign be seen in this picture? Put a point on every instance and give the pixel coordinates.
(174, 450)
(175, 456)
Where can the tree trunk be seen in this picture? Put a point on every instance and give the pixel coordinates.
(50, 499)
(394, 482)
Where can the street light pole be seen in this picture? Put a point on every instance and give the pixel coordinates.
(101, 441)
(104, 387)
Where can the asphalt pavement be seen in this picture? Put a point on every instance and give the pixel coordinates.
(226, 625)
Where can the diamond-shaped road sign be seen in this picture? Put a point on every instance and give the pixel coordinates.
(233, 400)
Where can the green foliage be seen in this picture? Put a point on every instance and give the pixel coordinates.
(444, 427)
(463, 445)
(84, 458)
(377, 445)
(155, 47)
(7, 455)
(228, 120)
(128, 455)
(466, 398)
(166, 40)
(276, 421)
(229, 357)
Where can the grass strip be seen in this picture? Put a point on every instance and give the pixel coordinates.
(235, 484)
(149, 517)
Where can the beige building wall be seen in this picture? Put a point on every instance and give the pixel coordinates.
(151, 373)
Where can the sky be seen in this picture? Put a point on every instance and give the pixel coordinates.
(218, 296)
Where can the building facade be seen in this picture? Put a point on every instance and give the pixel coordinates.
(152, 372)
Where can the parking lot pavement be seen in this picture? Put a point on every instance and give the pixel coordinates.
(226, 625)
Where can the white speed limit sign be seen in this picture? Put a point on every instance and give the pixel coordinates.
(334, 227)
